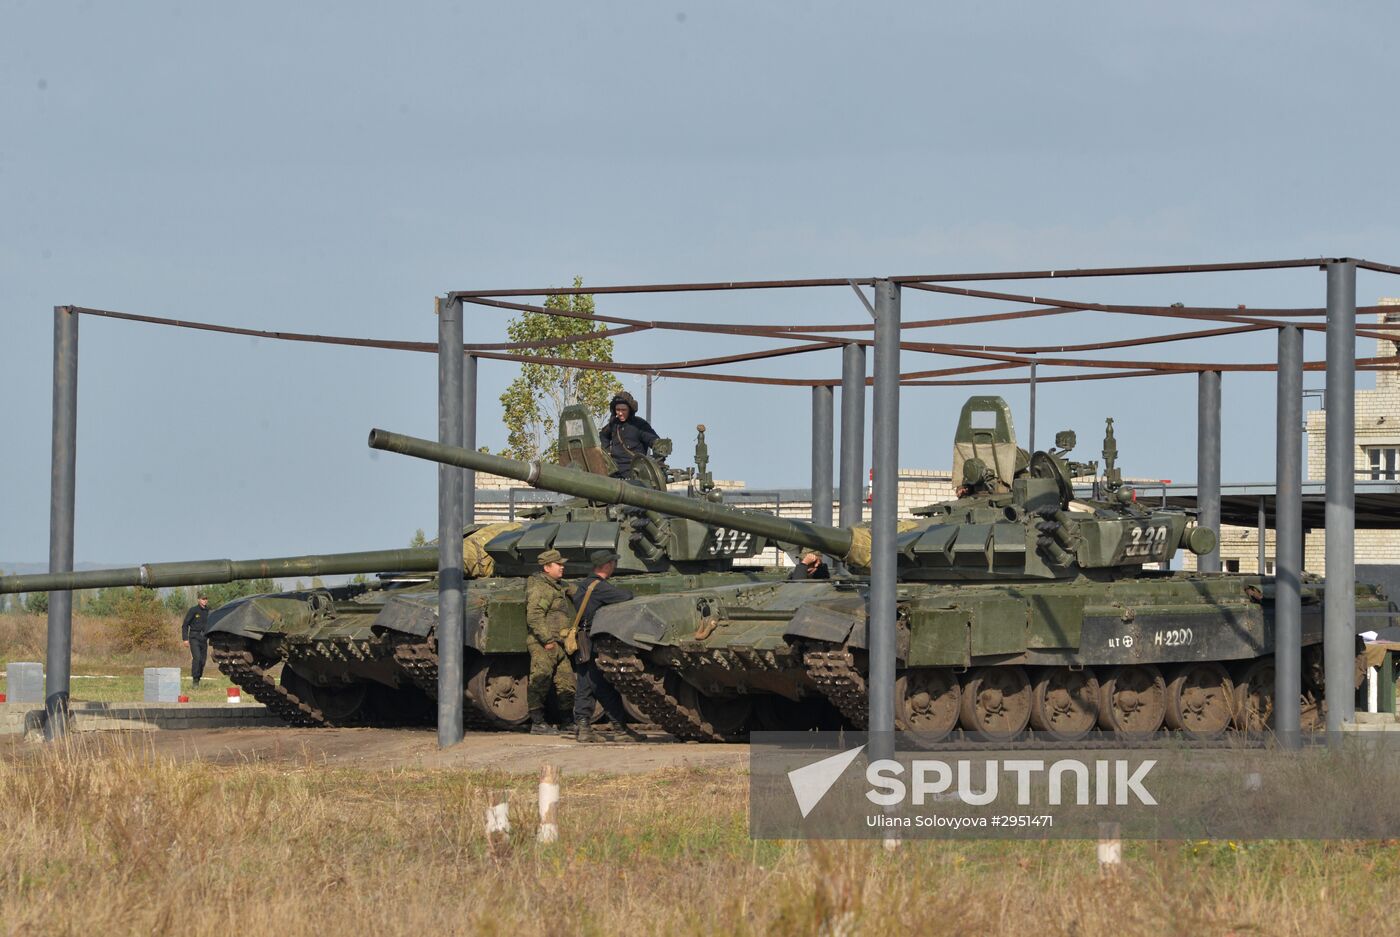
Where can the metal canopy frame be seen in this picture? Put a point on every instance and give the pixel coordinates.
(457, 414)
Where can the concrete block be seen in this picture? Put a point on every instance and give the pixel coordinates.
(24, 682)
(162, 684)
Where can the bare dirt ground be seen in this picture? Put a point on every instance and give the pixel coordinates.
(507, 752)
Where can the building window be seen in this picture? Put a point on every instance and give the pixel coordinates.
(1269, 566)
(1382, 460)
(1232, 566)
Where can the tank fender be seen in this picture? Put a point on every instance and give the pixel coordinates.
(246, 617)
(417, 615)
(835, 620)
(636, 624)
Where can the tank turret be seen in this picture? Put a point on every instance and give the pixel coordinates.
(1017, 517)
(646, 540)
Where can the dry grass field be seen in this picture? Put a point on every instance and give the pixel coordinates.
(104, 668)
(107, 837)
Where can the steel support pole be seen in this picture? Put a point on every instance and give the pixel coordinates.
(880, 628)
(469, 435)
(1339, 610)
(1208, 462)
(62, 488)
(1288, 539)
(647, 416)
(1030, 443)
(822, 400)
(450, 524)
(1263, 535)
(852, 434)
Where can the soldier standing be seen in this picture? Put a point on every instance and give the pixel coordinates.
(592, 594)
(548, 615)
(192, 633)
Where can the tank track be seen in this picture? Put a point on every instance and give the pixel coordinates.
(645, 688)
(419, 660)
(239, 665)
(835, 675)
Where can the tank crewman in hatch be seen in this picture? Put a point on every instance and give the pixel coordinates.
(548, 615)
(812, 566)
(592, 594)
(626, 435)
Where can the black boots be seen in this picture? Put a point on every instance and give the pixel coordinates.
(538, 725)
(585, 733)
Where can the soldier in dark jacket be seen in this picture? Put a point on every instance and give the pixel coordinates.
(548, 615)
(192, 633)
(626, 436)
(593, 593)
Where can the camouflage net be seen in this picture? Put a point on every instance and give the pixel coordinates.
(476, 562)
(859, 553)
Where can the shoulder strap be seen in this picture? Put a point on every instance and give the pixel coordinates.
(578, 616)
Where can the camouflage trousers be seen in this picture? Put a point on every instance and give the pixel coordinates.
(550, 668)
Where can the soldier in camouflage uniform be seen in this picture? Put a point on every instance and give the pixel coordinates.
(548, 614)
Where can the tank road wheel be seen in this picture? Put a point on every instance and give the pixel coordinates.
(1133, 700)
(926, 703)
(996, 702)
(728, 716)
(1254, 696)
(1200, 700)
(1065, 703)
(498, 683)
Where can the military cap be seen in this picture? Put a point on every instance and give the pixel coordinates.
(551, 556)
(599, 557)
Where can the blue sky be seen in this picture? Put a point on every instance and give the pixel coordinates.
(330, 168)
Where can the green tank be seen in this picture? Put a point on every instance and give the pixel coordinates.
(1020, 604)
(290, 628)
(366, 654)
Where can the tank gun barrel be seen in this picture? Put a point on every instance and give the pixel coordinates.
(209, 572)
(831, 540)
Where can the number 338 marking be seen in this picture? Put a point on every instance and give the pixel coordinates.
(729, 542)
(1147, 541)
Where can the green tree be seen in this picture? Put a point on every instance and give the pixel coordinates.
(419, 538)
(104, 604)
(533, 401)
(142, 620)
(225, 592)
(177, 601)
(36, 602)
